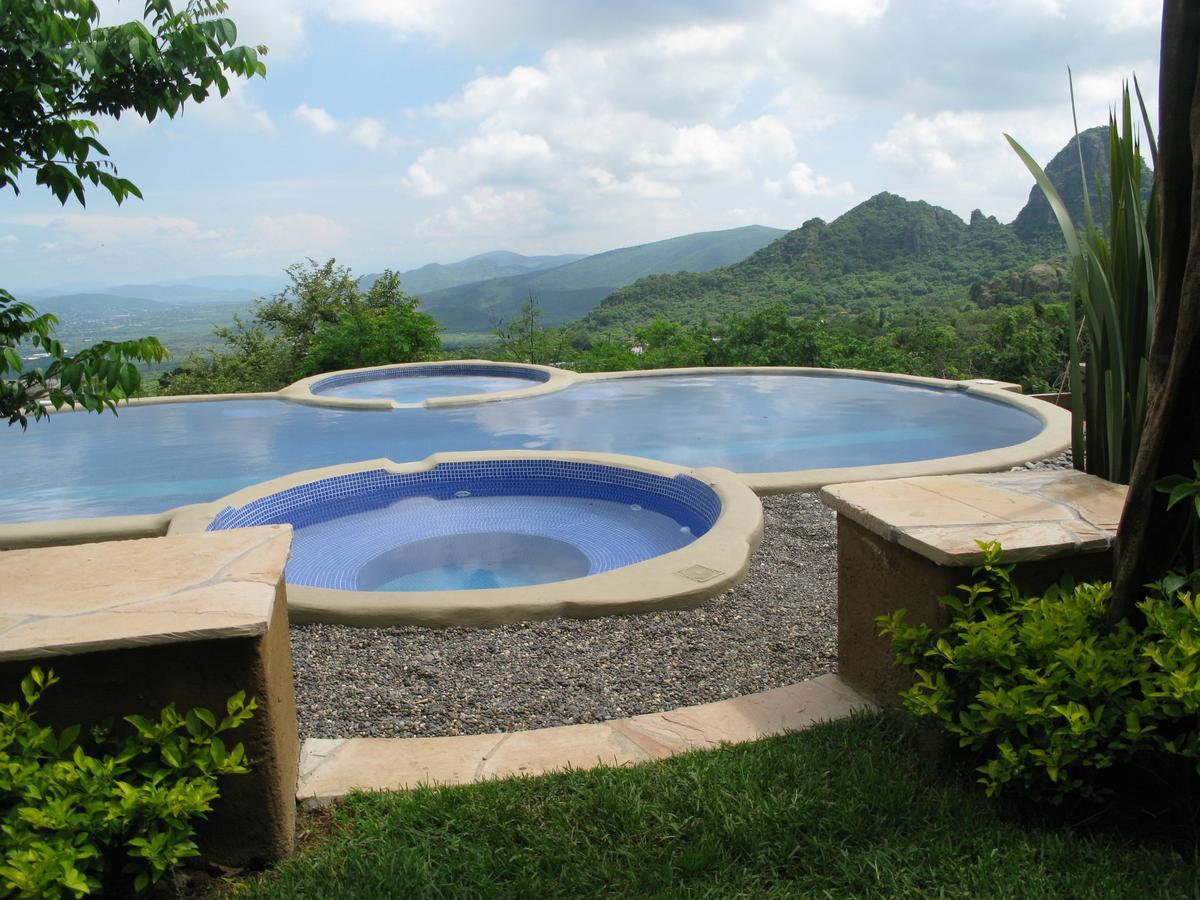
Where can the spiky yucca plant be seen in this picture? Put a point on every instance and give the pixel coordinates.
(1114, 270)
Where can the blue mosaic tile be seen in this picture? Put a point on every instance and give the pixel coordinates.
(615, 516)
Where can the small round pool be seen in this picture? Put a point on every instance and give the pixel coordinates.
(433, 542)
(415, 383)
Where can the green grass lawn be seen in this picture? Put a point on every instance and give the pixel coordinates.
(849, 809)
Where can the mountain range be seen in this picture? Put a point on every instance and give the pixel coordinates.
(885, 251)
(484, 267)
(566, 292)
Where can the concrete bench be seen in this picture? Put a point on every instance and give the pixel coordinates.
(904, 543)
(130, 626)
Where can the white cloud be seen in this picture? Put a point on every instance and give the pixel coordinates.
(238, 110)
(623, 121)
(279, 24)
(500, 157)
(801, 182)
(98, 229)
(856, 11)
(315, 118)
(959, 158)
(486, 211)
(369, 133)
(421, 183)
(700, 151)
(291, 235)
(486, 26)
(1126, 15)
(131, 240)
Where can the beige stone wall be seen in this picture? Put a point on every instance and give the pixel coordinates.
(132, 626)
(876, 577)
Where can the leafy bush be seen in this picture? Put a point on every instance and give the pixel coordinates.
(77, 821)
(371, 336)
(323, 320)
(1041, 693)
(96, 378)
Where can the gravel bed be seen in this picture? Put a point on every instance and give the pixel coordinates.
(1064, 460)
(775, 628)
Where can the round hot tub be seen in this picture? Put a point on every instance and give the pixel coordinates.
(476, 538)
(427, 384)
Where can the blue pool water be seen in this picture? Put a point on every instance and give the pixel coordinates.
(414, 384)
(414, 390)
(473, 561)
(471, 526)
(155, 457)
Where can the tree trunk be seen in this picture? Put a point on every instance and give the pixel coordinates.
(1150, 539)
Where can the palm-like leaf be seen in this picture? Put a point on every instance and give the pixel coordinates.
(1114, 276)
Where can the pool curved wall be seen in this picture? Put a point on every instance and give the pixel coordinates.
(722, 513)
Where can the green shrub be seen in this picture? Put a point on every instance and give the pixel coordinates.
(75, 820)
(1041, 693)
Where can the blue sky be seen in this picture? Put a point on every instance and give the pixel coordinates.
(392, 133)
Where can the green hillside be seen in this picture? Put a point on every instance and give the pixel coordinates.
(567, 292)
(886, 250)
(183, 328)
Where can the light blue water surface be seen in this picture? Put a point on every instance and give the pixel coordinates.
(416, 389)
(151, 458)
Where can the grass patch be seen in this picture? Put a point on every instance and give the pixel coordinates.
(852, 808)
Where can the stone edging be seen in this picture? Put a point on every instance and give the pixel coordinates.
(331, 768)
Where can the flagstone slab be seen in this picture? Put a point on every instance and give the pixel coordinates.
(1034, 514)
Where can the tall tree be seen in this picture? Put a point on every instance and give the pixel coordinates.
(58, 71)
(1151, 537)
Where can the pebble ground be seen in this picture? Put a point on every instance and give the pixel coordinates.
(777, 627)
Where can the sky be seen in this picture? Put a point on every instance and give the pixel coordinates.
(394, 133)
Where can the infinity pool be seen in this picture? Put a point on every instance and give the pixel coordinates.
(157, 456)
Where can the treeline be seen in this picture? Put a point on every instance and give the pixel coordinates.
(323, 321)
(1023, 342)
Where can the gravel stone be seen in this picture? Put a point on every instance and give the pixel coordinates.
(1064, 460)
(777, 627)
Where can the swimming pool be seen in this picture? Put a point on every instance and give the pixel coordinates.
(484, 538)
(781, 429)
